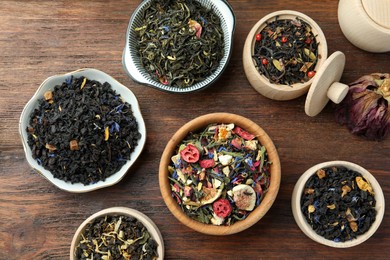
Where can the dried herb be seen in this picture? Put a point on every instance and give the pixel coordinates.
(116, 237)
(338, 203)
(219, 175)
(180, 42)
(366, 108)
(82, 131)
(286, 51)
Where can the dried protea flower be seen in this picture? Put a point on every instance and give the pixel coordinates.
(365, 110)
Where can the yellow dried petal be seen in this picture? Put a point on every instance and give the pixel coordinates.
(309, 191)
(106, 134)
(83, 83)
(311, 208)
(50, 147)
(331, 206)
(48, 95)
(345, 190)
(363, 185)
(321, 173)
(354, 226)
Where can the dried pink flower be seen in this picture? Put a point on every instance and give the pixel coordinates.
(365, 110)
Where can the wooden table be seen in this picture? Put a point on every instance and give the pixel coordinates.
(42, 38)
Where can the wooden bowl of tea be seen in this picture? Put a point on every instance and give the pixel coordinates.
(282, 53)
(117, 233)
(195, 41)
(219, 174)
(82, 130)
(338, 204)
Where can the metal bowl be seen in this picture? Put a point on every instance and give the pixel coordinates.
(49, 84)
(131, 60)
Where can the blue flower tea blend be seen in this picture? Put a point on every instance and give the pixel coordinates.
(82, 131)
(116, 237)
(286, 51)
(180, 43)
(220, 174)
(338, 203)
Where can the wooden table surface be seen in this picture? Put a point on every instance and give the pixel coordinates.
(43, 38)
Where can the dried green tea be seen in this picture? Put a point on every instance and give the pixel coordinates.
(82, 131)
(338, 203)
(180, 42)
(286, 51)
(116, 237)
(219, 175)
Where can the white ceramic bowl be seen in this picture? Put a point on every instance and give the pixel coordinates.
(134, 68)
(261, 83)
(307, 229)
(120, 211)
(102, 77)
(200, 123)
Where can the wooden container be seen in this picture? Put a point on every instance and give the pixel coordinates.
(308, 230)
(120, 211)
(198, 124)
(366, 23)
(259, 82)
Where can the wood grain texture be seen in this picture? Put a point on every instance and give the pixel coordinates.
(42, 38)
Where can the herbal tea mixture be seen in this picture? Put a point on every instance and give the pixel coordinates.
(338, 203)
(286, 51)
(82, 131)
(180, 42)
(220, 175)
(116, 237)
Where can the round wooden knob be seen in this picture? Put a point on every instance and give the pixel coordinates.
(325, 85)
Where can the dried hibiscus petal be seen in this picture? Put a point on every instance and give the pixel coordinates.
(365, 110)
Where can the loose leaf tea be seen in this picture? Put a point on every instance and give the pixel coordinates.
(82, 131)
(219, 175)
(180, 42)
(286, 51)
(116, 237)
(338, 203)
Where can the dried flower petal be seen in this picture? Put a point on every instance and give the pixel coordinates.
(365, 110)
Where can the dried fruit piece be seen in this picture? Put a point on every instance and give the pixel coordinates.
(244, 196)
(222, 208)
(190, 153)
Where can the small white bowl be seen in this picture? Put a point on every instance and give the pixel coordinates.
(120, 211)
(132, 64)
(102, 77)
(307, 229)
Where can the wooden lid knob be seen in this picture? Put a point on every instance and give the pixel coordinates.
(325, 85)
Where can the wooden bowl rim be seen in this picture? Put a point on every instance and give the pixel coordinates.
(197, 124)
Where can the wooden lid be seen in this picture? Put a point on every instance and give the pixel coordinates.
(378, 11)
(325, 85)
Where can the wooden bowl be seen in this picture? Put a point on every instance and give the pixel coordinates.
(366, 23)
(307, 229)
(120, 211)
(198, 124)
(262, 84)
(49, 84)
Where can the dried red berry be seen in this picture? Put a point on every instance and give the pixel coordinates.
(207, 163)
(244, 134)
(190, 154)
(258, 37)
(222, 208)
